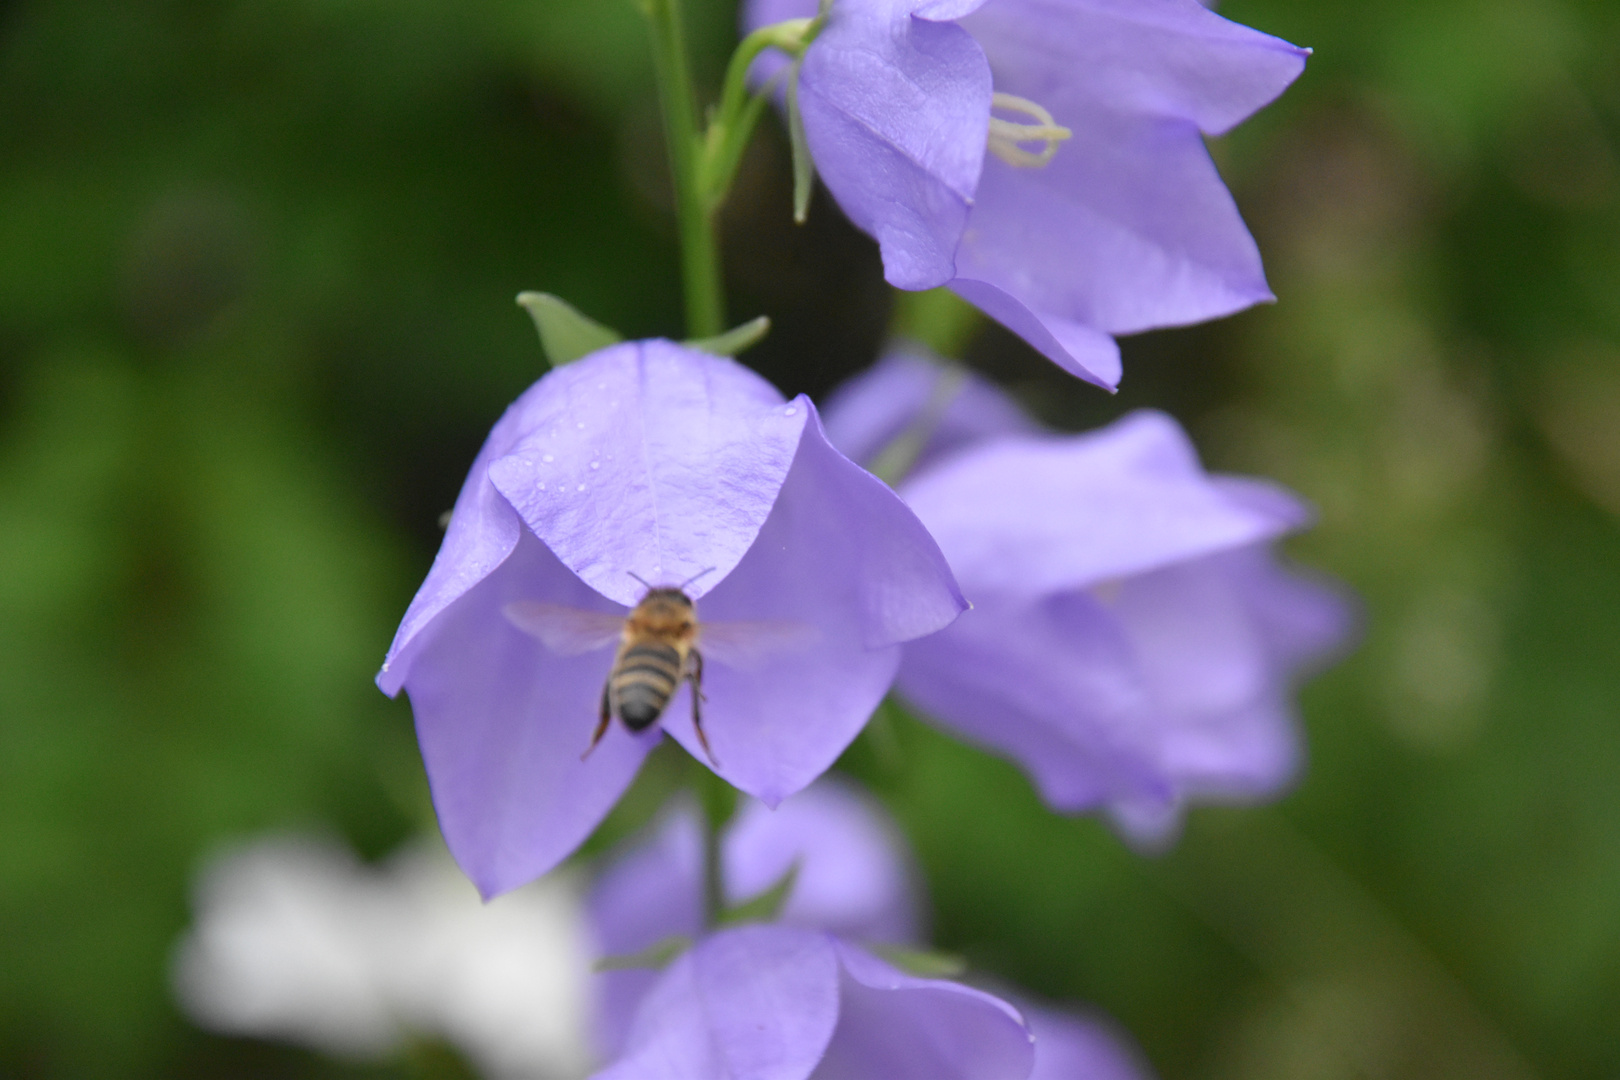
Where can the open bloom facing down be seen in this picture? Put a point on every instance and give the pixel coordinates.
(802, 998)
(1097, 211)
(1133, 642)
(780, 1002)
(650, 461)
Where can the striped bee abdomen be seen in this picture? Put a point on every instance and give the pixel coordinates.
(643, 681)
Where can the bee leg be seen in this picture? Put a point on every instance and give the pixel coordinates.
(602, 726)
(695, 677)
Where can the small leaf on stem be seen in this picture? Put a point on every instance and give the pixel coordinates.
(736, 339)
(565, 334)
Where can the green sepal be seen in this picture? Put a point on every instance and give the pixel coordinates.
(735, 340)
(565, 334)
(766, 906)
(653, 957)
(923, 963)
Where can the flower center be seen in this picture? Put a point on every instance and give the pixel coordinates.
(1008, 137)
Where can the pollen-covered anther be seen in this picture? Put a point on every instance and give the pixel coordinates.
(1009, 137)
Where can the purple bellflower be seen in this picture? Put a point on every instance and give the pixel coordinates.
(801, 997)
(1134, 641)
(1097, 211)
(650, 462)
(852, 877)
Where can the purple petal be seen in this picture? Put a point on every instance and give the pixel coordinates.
(1163, 58)
(483, 531)
(842, 557)
(1051, 684)
(1075, 1047)
(502, 723)
(649, 459)
(896, 110)
(868, 412)
(1129, 227)
(1304, 617)
(1075, 347)
(854, 876)
(893, 1026)
(1024, 516)
(755, 1003)
(652, 893)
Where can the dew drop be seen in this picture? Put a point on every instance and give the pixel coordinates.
(790, 411)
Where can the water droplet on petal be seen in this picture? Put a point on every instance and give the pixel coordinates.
(548, 459)
(581, 487)
(790, 411)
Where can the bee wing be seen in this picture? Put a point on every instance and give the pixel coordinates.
(566, 631)
(749, 644)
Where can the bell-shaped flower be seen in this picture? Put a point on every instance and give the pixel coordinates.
(651, 465)
(1097, 210)
(851, 875)
(1134, 642)
(808, 995)
(781, 1003)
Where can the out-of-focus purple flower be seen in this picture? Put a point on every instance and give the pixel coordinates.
(1133, 642)
(781, 1003)
(1074, 1046)
(852, 876)
(718, 1006)
(1123, 226)
(654, 461)
(795, 998)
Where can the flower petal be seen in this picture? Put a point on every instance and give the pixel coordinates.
(1052, 685)
(1025, 516)
(649, 459)
(650, 894)
(896, 111)
(868, 412)
(1129, 227)
(1073, 346)
(1167, 58)
(502, 722)
(1074, 1047)
(854, 877)
(842, 557)
(893, 1026)
(482, 532)
(754, 1003)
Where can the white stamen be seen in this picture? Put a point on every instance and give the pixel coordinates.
(1007, 135)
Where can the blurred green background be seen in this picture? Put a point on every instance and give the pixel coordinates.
(257, 262)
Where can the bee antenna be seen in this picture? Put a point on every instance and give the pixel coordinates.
(697, 575)
(639, 578)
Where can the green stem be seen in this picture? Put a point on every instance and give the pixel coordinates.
(718, 801)
(739, 111)
(700, 256)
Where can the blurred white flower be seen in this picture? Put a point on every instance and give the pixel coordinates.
(295, 939)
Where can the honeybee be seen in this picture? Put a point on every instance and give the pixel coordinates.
(657, 651)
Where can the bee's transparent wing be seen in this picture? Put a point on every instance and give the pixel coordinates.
(748, 644)
(566, 631)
